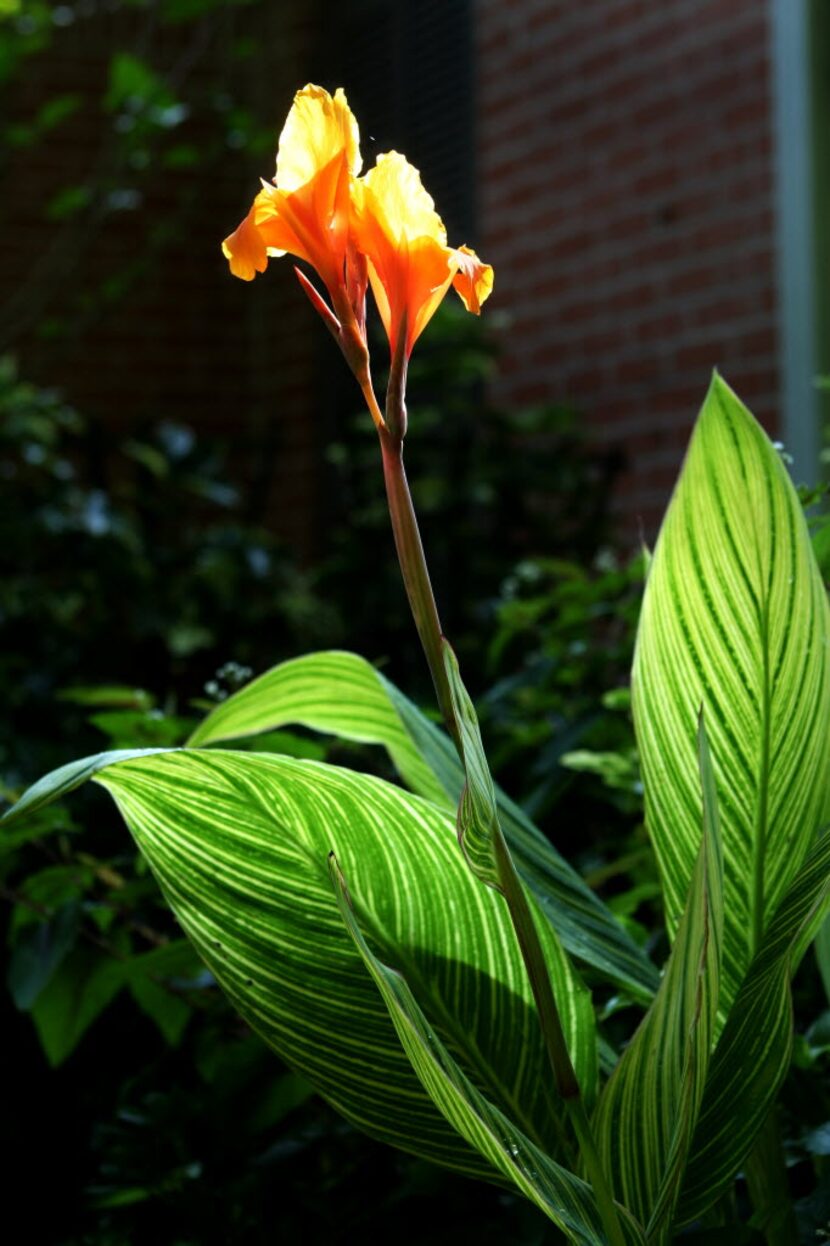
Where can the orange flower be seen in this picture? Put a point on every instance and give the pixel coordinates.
(306, 211)
(411, 267)
(383, 227)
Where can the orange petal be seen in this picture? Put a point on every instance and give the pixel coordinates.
(410, 265)
(307, 213)
(408, 285)
(274, 224)
(395, 196)
(383, 304)
(245, 248)
(431, 268)
(312, 222)
(394, 223)
(318, 128)
(473, 281)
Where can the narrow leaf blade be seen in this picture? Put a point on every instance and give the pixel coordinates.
(648, 1111)
(753, 1053)
(556, 1191)
(478, 819)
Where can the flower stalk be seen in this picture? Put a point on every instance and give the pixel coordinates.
(415, 573)
(416, 580)
(396, 420)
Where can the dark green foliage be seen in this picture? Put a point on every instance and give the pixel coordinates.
(130, 563)
(558, 662)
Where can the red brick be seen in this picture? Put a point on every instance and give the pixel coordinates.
(647, 178)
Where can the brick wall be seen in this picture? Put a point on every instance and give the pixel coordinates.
(624, 161)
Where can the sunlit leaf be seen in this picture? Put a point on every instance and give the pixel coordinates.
(735, 618)
(753, 1053)
(341, 694)
(647, 1114)
(478, 819)
(65, 779)
(239, 843)
(556, 1191)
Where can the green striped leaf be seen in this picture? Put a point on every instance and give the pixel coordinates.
(478, 819)
(344, 695)
(647, 1114)
(239, 844)
(556, 1191)
(336, 693)
(587, 928)
(483, 844)
(753, 1053)
(735, 618)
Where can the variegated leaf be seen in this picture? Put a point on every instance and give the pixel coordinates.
(478, 818)
(239, 843)
(344, 695)
(753, 1053)
(556, 1191)
(647, 1113)
(735, 618)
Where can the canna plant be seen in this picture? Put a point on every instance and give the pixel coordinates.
(417, 951)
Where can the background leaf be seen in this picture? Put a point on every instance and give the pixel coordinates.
(158, 982)
(342, 694)
(39, 950)
(74, 997)
(823, 955)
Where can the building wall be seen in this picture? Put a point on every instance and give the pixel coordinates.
(626, 202)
